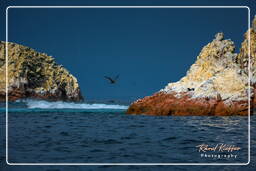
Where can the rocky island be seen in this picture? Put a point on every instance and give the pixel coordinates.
(217, 84)
(35, 75)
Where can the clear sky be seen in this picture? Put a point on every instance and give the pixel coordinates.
(147, 47)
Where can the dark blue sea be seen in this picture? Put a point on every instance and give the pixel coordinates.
(60, 132)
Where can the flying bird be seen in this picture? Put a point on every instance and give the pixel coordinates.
(112, 80)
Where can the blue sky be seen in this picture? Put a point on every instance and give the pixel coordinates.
(147, 47)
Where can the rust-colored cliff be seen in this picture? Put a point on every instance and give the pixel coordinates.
(217, 84)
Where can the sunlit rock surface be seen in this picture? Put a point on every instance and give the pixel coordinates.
(35, 75)
(216, 84)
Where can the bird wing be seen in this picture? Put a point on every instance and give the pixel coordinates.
(108, 78)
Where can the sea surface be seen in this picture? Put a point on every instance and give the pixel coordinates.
(60, 132)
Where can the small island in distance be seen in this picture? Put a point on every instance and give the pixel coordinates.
(217, 84)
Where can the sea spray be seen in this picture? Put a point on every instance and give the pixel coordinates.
(40, 104)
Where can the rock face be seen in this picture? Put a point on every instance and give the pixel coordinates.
(242, 58)
(35, 75)
(216, 84)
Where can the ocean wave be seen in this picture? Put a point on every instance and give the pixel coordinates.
(39, 104)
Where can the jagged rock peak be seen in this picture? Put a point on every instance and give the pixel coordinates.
(216, 84)
(219, 36)
(214, 58)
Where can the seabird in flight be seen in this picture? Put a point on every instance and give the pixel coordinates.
(112, 80)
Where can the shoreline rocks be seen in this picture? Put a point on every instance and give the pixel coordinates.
(217, 84)
(35, 75)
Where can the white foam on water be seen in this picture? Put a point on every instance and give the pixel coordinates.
(39, 104)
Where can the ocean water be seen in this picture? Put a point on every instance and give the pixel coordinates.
(59, 132)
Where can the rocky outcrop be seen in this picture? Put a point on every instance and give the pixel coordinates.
(242, 58)
(35, 75)
(216, 84)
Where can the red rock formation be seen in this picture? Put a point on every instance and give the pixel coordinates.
(167, 104)
(216, 85)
